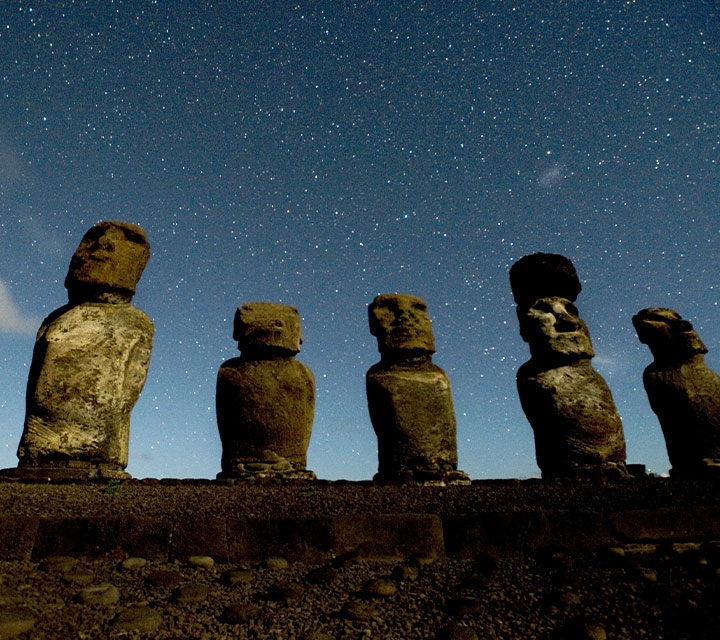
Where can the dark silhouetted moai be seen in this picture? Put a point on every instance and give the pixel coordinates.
(409, 397)
(683, 391)
(90, 362)
(568, 404)
(265, 398)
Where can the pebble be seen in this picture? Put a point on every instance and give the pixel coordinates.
(232, 577)
(138, 618)
(13, 622)
(358, 610)
(190, 593)
(648, 574)
(133, 564)
(100, 594)
(276, 563)
(379, 588)
(241, 612)
(203, 562)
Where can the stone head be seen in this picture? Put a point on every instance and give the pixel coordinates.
(667, 334)
(108, 263)
(542, 275)
(401, 323)
(268, 328)
(552, 328)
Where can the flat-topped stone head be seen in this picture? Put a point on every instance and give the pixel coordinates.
(268, 328)
(668, 336)
(543, 275)
(108, 264)
(401, 324)
(554, 331)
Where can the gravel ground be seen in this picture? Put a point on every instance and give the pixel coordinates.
(646, 593)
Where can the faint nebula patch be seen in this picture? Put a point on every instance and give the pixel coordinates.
(552, 176)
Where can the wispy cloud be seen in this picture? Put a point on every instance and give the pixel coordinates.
(12, 319)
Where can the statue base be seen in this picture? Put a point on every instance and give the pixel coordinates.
(272, 470)
(66, 471)
(607, 471)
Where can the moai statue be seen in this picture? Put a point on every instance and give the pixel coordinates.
(409, 397)
(577, 428)
(89, 364)
(265, 398)
(683, 391)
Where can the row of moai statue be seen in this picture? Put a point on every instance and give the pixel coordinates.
(91, 359)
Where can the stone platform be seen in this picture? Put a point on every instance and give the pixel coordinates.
(316, 521)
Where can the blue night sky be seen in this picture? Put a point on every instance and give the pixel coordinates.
(320, 153)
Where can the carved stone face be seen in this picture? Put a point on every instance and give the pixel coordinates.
(268, 327)
(552, 327)
(111, 257)
(401, 322)
(667, 334)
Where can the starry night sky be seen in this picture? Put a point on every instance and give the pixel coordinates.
(320, 153)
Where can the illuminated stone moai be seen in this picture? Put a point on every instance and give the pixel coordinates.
(90, 362)
(683, 391)
(577, 428)
(265, 398)
(409, 397)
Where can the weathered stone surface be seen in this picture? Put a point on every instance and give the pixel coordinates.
(191, 593)
(133, 563)
(202, 562)
(200, 537)
(89, 363)
(89, 366)
(400, 322)
(409, 398)
(265, 411)
(308, 539)
(100, 594)
(683, 391)
(17, 536)
(268, 327)
(389, 537)
(572, 413)
(137, 535)
(108, 263)
(577, 428)
(265, 399)
(15, 621)
(668, 523)
(542, 275)
(379, 588)
(138, 618)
